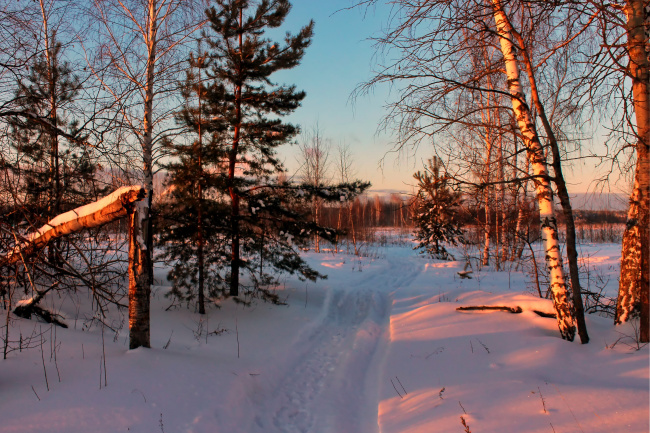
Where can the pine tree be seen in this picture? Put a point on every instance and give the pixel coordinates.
(193, 208)
(436, 212)
(227, 188)
(57, 174)
(247, 101)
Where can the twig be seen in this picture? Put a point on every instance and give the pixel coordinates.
(568, 407)
(237, 332)
(400, 384)
(462, 421)
(141, 393)
(169, 341)
(395, 388)
(56, 364)
(47, 385)
(39, 399)
(484, 346)
(547, 315)
(8, 307)
(440, 393)
(461, 406)
(542, 397)
(435, 352)
(104, 355)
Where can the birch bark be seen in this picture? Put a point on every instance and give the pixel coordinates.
(633, 286)
(539, 167)
(139, 284)
(96, 214)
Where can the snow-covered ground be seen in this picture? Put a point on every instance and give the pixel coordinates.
(378, 346)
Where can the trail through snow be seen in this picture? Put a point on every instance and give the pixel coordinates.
(331, 383)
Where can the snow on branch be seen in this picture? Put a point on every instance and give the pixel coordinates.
(103, 211)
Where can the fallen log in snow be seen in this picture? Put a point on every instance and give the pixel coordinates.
(29, 307)
(513, 310)
(103, 211)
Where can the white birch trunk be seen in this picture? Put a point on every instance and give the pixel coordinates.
(139, 284)
(141, 243)
(103, 211)
(544, 192)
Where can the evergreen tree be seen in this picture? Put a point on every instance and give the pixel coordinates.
(58, 174)
(193, 209)
(229, 209)
(436, 212)
(247, 101)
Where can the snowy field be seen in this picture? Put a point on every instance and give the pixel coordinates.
(377, 347)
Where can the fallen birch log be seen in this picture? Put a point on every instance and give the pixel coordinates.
(513, 310)
(103, 211)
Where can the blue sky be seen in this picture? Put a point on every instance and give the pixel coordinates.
(339, 59)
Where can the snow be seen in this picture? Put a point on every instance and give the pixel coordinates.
(335, 357)
(24, 302)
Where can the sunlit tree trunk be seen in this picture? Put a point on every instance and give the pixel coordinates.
(538, 163)
(633, 285)
(139, 284)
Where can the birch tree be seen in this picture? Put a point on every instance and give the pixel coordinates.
(139, 41)
(537, 157)
(314, 158)
(435, 72)
(634, 280)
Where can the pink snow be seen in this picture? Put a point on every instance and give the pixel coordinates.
(377, 347)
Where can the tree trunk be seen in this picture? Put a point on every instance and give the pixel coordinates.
(486, 227)
(199, 227)
(520, 201)
(540, 171)
(563, 195)
(139, 284)
(147, 140)
(234, 194)
(316, 206)
(633, 285)
(54, 199)
(500, 214)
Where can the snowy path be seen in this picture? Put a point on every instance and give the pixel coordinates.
(331, 384)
